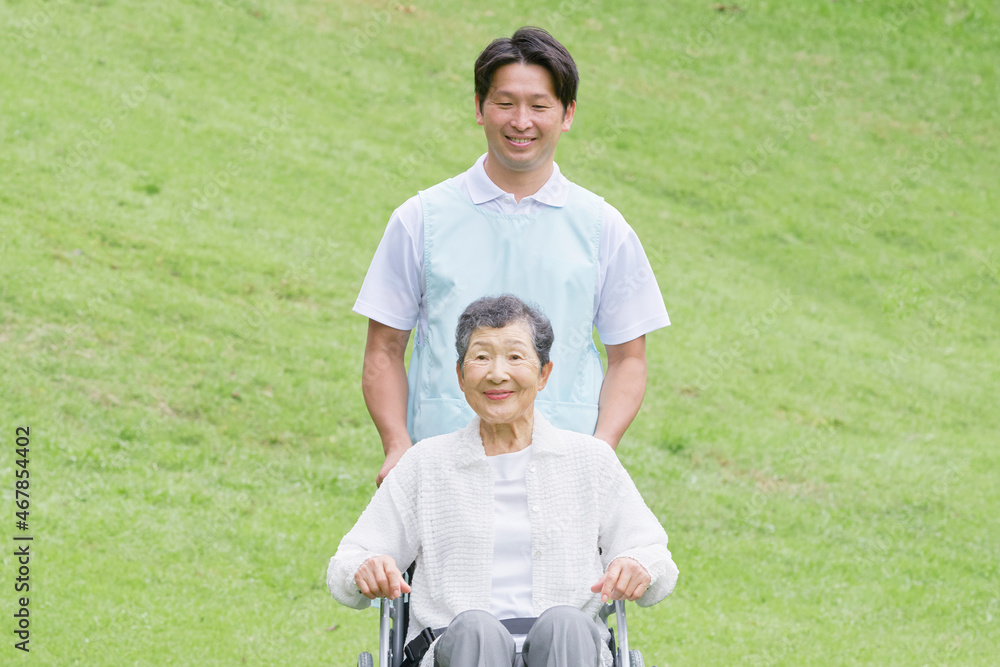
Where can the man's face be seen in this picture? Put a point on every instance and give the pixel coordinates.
(523, 118)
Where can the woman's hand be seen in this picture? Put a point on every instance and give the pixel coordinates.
(378, 577)
(625, 579)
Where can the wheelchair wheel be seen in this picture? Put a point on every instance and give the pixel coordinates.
(365, 660)
(636, 658)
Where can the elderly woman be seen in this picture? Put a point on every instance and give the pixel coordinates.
(507, 518)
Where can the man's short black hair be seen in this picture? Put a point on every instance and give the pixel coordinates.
(530, 46)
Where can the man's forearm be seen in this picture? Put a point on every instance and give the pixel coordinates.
(383, 384)
(623, 390)
(385, 392)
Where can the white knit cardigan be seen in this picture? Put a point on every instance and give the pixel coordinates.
(436, 507)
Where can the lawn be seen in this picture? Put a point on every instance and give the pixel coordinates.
(190, 195)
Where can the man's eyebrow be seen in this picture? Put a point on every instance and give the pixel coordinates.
(536, 96)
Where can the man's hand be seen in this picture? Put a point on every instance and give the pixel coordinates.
(391, 459)
(625, 579)
(379, 577)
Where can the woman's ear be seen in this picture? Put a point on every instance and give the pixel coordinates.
(546, 371)
(461, 379)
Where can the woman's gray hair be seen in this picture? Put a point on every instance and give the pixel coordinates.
(496, 312)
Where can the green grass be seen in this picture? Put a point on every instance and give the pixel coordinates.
(190, 194)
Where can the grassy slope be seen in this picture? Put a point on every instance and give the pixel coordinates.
(177, 271)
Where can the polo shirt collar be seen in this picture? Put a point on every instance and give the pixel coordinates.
(555, 192)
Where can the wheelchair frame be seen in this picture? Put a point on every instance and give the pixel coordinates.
(392, 634)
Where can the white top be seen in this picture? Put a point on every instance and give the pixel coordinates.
(627, 302)
(510, 596)
(438, 502)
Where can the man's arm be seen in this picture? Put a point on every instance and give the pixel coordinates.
(622, 391)
(383, 383)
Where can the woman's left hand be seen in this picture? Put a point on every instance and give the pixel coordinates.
(625, 579)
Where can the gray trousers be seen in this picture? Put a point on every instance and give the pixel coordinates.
(561, 637)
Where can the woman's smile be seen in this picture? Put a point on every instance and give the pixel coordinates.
(498, 395)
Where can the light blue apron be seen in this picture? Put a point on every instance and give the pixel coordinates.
(548, 259)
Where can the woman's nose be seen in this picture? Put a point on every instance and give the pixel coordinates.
(498, 370)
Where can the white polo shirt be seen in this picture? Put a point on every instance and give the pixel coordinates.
(627, 301)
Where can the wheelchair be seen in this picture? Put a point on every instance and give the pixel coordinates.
(394, 616)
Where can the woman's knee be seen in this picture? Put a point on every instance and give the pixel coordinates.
(563, 617)
(478, 622)
(475, 638)
(563, 636)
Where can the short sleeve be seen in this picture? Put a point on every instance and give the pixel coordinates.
(393, 288)
(629, 300)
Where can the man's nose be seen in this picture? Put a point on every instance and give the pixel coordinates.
(522, 118)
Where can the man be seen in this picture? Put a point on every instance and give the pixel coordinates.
(512, 223)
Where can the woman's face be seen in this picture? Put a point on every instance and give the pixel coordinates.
(502, 374)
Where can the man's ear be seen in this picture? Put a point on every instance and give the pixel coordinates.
(568, 116)
(546, 371)
(479, 111)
